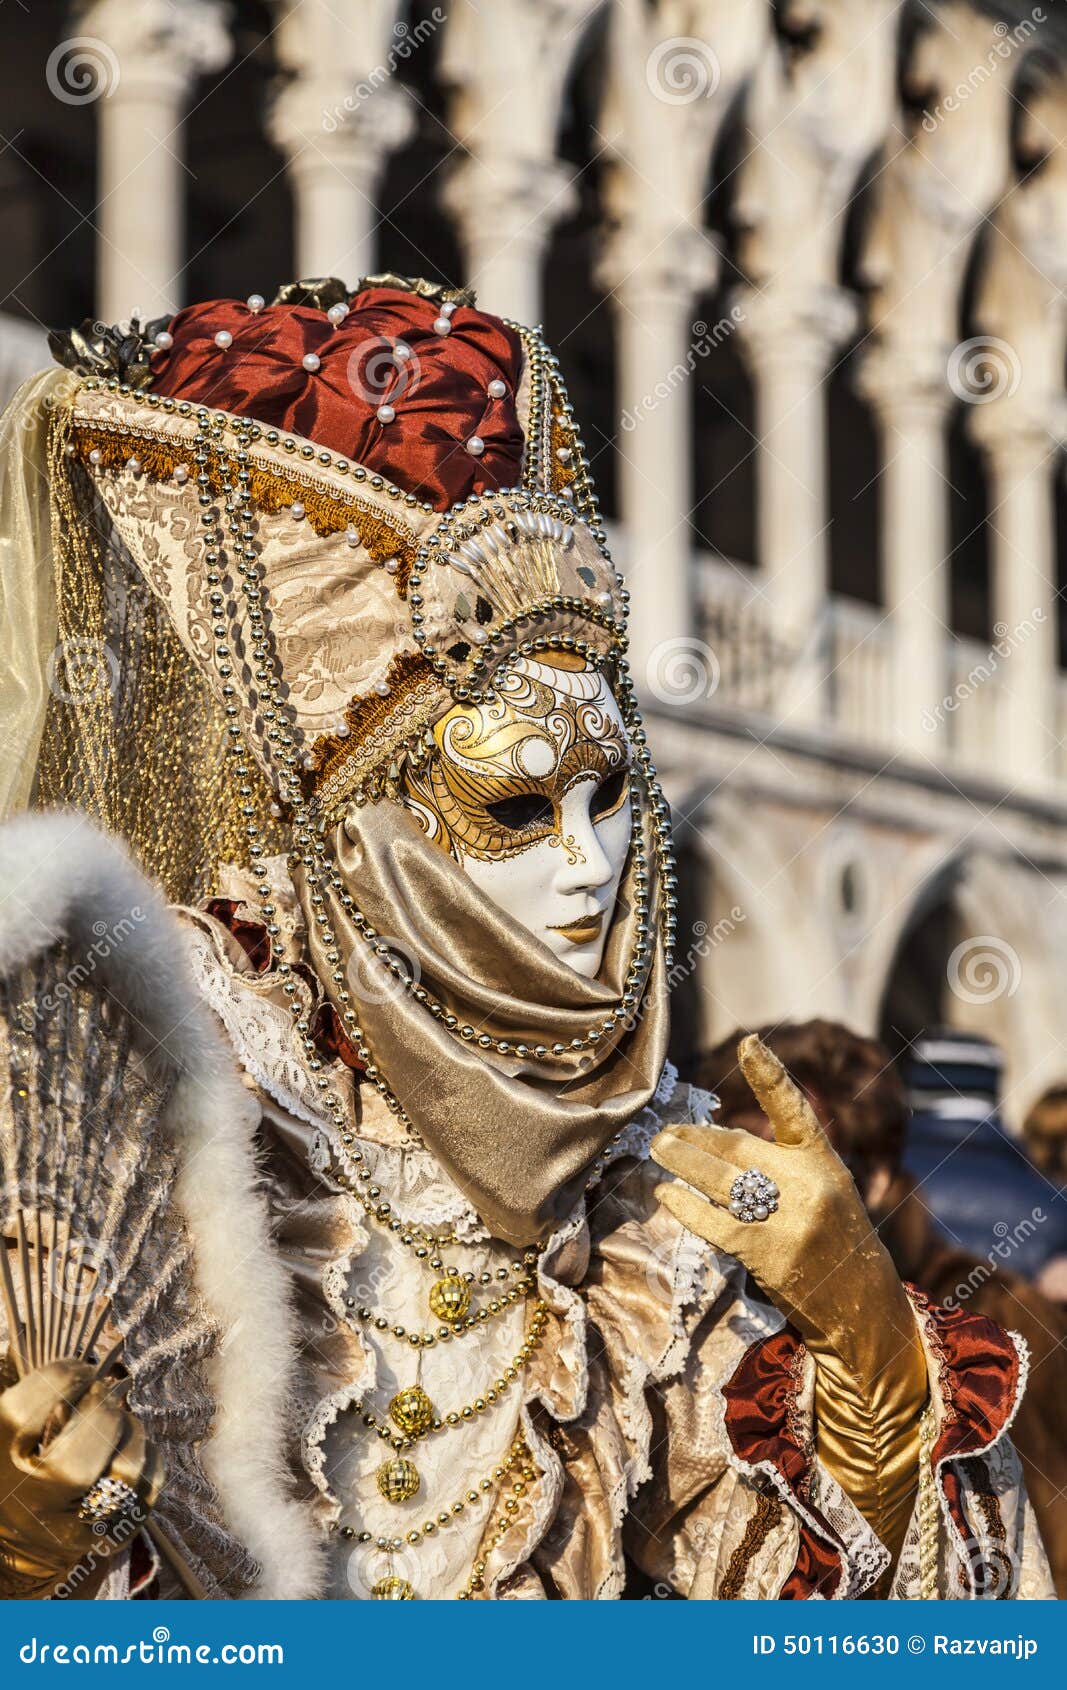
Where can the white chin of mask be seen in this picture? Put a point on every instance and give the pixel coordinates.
(563, 889)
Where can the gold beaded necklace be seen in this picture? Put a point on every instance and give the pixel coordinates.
(414, 1416)
(394, 1588)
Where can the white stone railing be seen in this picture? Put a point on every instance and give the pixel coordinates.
(973, 697)
(848, 666)
(859, 682)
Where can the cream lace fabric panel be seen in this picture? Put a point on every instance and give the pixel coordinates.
(450, 1462)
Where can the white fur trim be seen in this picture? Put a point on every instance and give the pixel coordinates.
(61, 877)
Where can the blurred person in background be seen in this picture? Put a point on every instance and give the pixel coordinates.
(1045, 1137)
(861, 1101)
(1045, 1134)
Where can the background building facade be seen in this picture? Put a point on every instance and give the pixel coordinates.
(805, 266)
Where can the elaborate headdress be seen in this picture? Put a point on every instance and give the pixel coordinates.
(352, 510)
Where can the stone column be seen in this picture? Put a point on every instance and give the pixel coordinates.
(337, 117)
(944, 173)
(789, 340)
(507, 65)
(504, 210)
(820, 103)
(1011, 376)
(155, 53)
(1022, 467)
(912, 403)
(655, 363)
(667, 91)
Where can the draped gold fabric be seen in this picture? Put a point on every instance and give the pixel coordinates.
(517, 1135)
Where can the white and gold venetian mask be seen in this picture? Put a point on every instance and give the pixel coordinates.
(530, 793)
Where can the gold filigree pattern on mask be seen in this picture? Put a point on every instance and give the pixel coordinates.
(503, 766)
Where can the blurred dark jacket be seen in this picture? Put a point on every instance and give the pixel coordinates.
(959, 1278)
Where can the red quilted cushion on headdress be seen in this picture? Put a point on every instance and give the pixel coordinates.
(385, 353)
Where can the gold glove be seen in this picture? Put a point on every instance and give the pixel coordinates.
(61, 1432)
(820, 1262)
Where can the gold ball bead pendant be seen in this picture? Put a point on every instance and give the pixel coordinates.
(392, 1589)
(450, 1298)
(412, 1410)
(398, 1481)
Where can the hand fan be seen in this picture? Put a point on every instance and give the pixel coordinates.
(96, 1262)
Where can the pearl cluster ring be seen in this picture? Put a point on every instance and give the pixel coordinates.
(753, 1197)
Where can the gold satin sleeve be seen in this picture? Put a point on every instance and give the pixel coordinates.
(867, 1414)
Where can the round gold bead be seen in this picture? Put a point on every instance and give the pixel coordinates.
(392, 1589)
(398, 1480)
(450, 1298)
(412, 1410)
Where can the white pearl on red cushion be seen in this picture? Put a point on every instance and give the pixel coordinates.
(385, 413)
(476, 445)
(224, 340)
(401, 350)
(337, 314)
(296, 511)
(447, 310)
(255, 302)
(497, 389)
(311, 362)
(353, 537)
(441, 325)
(181, 474)
(164, 341)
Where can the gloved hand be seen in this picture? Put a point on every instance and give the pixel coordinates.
(62, 1430)
(820, 1262)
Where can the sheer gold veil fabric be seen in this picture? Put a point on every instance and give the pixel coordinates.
(28, 616)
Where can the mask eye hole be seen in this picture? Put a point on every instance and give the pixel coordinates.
(525, 810)
(608, 795)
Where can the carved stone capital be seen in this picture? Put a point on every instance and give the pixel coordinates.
(159, 48)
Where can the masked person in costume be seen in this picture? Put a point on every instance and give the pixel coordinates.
(316, 615)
